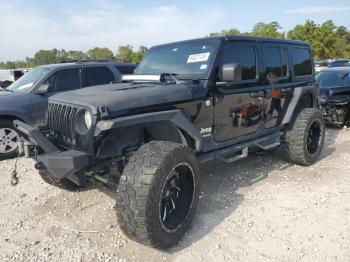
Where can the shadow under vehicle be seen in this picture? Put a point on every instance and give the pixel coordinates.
(334, 95)
(188, 103)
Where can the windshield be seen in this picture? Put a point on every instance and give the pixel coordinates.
(190, 59)
(329, 79)
(28, 81)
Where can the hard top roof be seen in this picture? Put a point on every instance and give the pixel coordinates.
(92, 62)
(243, 38)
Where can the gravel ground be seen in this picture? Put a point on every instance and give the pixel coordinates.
(258, 209)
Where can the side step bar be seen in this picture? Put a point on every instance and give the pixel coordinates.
(239, 151)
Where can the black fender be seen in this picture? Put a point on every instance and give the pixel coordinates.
(176, 117)
(297, 94)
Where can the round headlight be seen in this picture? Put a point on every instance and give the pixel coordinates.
(88, 119)
(83, 122)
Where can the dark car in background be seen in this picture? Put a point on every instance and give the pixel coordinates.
(26, 99)
(320, 65)
(340, 63)
(335, 94)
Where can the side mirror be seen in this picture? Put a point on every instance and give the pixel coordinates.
(231, 72)
(43, 89)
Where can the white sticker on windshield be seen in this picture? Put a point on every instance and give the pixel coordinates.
(203, 67)
(195, 58)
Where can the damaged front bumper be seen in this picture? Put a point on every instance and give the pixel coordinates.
(59, 164)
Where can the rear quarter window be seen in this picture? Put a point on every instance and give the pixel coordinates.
(100, 75)
(302, 64)
(125, 70)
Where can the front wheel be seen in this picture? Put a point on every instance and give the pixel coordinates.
(9, 139)
(158, 194)
(303, 142)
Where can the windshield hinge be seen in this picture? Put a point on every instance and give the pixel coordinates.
(103, 112)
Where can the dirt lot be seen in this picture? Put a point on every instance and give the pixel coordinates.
(261, 209)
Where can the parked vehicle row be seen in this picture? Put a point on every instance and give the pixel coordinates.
(26, 99)
(322, 65)
(187, 103)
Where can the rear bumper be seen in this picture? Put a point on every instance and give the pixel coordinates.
(59, 164)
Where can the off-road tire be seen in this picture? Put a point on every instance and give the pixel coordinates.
(8, 124)
(294, 141)
(140, 190)
(65, 183)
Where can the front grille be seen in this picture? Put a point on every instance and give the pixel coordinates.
(61, 122)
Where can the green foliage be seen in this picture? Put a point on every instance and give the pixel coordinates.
(43, 57)
(99, 53)
(232, 31)
(260, 29)
(267, 30)
(327, 40)
(126, 54)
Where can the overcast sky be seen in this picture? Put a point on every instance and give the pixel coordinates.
(29, 25)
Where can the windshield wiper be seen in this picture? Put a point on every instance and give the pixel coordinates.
(171, 75)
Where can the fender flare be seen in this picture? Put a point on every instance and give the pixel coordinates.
(176, 117)
(14, 116)
(298, 93)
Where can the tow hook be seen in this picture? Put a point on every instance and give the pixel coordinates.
(24, 148)
(14, 174)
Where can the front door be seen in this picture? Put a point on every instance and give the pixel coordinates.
(239, 106)
(60, 81)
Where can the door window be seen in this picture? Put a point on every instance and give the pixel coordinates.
(64, 80)
(243, 55)
(275, 61)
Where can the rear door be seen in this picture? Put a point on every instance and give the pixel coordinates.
(239, 106)
(276, 76)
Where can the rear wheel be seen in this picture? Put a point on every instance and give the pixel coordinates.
(158, 194)
(9, 139)
(303, 143)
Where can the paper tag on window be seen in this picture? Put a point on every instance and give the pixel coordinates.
(202, 57)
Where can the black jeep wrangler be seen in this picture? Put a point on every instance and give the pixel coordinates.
(188, 103)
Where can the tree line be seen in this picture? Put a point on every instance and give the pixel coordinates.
(53, 56)
(327, 40)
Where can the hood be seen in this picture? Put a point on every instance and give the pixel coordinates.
(335, 94)
(11, 97)
(125, 96)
